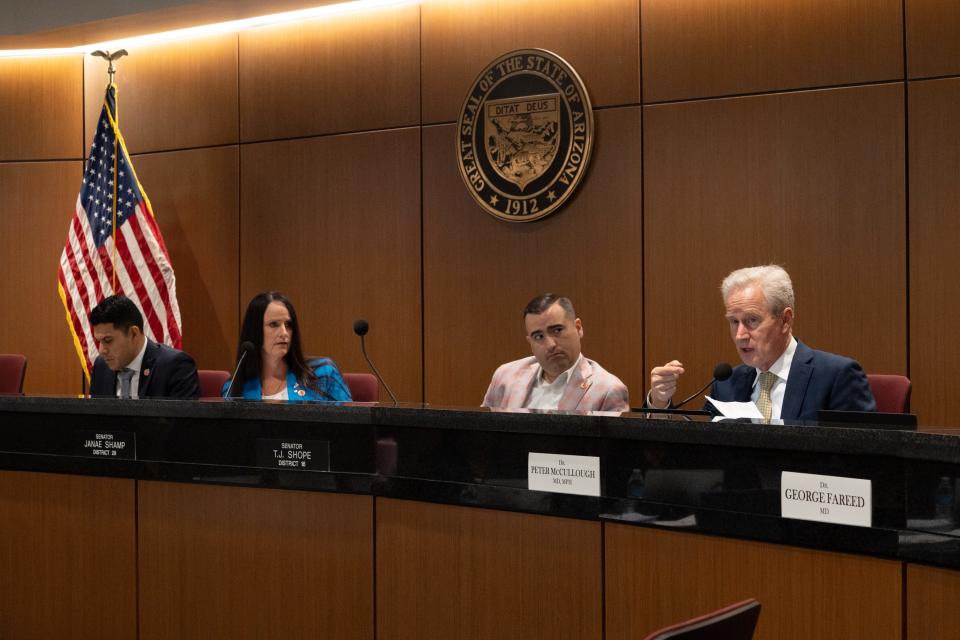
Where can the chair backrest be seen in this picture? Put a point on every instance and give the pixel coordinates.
(735, 622)
(13, 369)
(211, 382)
(364, 387)
(891, 392)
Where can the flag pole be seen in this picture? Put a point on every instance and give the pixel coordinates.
(110, 57)
(111, 71)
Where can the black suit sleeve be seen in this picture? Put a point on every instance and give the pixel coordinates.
(851, 390)
(184, 383)
(101, 378)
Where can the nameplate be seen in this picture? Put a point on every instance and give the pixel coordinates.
(561, 473)
(293, 454)
(833, 499)
(114, 445)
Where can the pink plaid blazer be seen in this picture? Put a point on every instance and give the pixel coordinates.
(590, 388)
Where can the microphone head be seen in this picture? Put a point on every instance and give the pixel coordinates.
(246, 347)
(722, 371)
(360, 327)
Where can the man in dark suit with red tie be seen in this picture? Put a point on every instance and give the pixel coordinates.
(130, 365)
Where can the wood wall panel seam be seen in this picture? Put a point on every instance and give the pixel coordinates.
(297, 80)
(714, 47)
(330, 134)
(775, 92)
(932, 38)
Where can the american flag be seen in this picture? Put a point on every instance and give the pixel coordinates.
(114, 245)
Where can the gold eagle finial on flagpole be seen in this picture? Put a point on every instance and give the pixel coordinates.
(110, 57)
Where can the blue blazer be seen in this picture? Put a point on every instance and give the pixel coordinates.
(332, 385)
(817, 380)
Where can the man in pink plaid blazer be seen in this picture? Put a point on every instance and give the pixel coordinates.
(556, 376)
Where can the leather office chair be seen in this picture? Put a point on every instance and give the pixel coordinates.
(364, 387)
(211, 382)
(735, 622)
(13, 369)
(891, 392)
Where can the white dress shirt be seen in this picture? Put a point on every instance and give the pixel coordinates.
(546, 395)
(781, 369)
(134, 365)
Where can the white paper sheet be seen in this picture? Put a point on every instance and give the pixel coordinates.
(736, 409)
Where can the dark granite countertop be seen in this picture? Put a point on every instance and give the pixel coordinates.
(935, 446)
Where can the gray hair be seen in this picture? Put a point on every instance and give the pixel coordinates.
(771, 278)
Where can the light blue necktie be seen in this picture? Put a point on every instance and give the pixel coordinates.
(126, 377)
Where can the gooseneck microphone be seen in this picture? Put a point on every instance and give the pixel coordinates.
(245, 348)
(361, 327)
(720, 373)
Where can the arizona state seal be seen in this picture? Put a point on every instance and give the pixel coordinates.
(524, 135)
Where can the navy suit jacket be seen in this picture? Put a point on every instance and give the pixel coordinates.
(164, 373)
(817, 380)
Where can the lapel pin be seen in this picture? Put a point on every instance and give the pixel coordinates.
(146, 372)
(301, 393)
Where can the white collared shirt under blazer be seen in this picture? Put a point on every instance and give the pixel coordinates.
(590, 387)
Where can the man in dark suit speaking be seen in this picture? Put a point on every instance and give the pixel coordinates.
(785, 378)
(130, 365)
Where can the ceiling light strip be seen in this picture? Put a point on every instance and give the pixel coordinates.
(299, 15)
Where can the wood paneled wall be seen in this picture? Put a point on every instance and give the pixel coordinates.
(933, 38)
(38, 200)
(812, 181)
(354, 73)
(334, 223)
(39, 98)
(934, 107)
(460, 37)
(317, 158)
(704, 48)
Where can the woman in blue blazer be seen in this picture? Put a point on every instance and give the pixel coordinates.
(275, 369)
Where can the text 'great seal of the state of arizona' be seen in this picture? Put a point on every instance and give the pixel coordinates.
(524, 135)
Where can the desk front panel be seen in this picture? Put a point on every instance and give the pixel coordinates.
(655, 578)
(67, 557)
(232, 562)
(456, 572)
